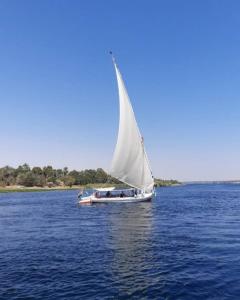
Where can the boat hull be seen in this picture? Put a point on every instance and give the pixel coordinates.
(139, 198)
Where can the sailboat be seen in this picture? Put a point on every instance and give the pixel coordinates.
(130, 163)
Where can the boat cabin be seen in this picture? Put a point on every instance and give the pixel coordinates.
(112, 193)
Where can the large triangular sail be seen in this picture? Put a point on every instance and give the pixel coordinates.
(130, 163)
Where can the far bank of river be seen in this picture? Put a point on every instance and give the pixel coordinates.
(17, 188)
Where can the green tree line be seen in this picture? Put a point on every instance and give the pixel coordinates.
(26, 176)
(48, 176)
(162, 182)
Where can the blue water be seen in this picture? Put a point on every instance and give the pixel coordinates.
(183, 245)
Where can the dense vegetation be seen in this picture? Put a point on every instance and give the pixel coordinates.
(161, 182)
(48, 176)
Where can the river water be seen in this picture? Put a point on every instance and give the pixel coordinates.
(185, 244)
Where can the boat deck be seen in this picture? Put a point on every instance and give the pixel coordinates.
(138, 198)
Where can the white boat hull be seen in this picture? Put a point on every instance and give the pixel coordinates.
(139, 198)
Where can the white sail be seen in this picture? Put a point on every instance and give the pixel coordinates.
(130, 163)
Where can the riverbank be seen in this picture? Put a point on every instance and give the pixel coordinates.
(12, 189)
(32, 189)
(18, 188)
(36, 179)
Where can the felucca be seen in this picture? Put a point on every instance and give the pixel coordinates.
(130, 163)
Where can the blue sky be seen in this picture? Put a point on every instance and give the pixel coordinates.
(181, 64)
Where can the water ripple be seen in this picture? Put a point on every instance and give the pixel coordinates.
(183, 245)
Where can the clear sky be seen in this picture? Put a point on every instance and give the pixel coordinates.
(181, 64)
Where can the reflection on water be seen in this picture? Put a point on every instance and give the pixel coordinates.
(183, 245)
(130, 233)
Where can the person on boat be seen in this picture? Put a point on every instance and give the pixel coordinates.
(108, 194)
(97, 195)
(80, 193)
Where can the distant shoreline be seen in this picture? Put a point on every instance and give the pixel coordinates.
(34, 189)
(38, 179)
(14, 189)
(11, 189)
(212, 182)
